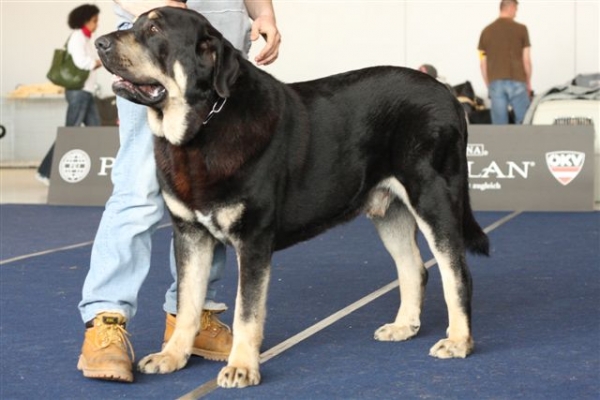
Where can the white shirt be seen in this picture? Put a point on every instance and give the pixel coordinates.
(84, 56)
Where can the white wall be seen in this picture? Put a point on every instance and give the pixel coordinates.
(321, 37)
(29, 33)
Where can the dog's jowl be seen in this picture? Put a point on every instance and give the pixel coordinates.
(260, 165)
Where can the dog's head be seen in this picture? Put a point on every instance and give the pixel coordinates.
(175, 62)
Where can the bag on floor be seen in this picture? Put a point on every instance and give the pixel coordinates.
(63, 71)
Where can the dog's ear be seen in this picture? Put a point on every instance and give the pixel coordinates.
(226, 66)
(227, 69)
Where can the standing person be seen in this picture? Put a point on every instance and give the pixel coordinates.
(81, 108)
(505, 62)
(120, 257)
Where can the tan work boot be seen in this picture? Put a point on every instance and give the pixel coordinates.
(214, 340)
(106, 348)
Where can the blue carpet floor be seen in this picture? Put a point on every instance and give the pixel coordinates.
(536, 315)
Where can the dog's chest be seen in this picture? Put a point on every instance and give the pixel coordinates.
(219, 221)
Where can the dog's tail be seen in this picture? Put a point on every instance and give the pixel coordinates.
(475, 239)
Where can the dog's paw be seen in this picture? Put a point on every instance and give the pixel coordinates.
(162, 363)
(396, 333)
(448, 348)
(235, 377)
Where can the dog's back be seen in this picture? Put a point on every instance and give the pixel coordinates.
(354, 130)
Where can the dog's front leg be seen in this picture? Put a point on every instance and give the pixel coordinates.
(193, 254)
(250, 311)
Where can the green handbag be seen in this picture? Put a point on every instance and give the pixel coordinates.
(63, 71)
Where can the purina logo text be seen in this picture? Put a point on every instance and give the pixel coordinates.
(476, 150)
(487, 175)
(75, 166)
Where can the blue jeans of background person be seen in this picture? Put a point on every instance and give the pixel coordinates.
(81, 109)
(504, 92)
(120, 258)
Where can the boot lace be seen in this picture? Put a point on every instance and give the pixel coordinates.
(114, 333)
(207, 321)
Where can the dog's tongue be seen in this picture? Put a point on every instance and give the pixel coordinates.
(152, 91)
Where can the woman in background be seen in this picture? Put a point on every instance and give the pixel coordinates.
(81, 108)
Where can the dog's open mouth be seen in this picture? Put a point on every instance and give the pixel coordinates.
(147, 94)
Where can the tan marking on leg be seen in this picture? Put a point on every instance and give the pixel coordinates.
(459, 342)
(397, 231)
(192, 292)
(243, 365)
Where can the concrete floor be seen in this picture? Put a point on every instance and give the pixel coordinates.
(19, 185)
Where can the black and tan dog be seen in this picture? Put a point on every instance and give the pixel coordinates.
(247, 160)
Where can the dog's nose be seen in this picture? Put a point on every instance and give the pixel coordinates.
(103, 43)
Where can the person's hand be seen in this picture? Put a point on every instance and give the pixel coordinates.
(266, 27)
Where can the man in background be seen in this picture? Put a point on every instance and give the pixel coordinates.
(505, 57)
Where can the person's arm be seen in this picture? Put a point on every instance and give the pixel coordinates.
(76, 48)
(483, 67)
(139, 7)
(528, 68)
(264, 24)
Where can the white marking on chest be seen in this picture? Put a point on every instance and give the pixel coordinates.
(209, 223)
(218, 221)
(177, 207)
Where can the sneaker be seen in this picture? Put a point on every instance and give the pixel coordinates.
(214, 340)
(107, 352)
(44, 179)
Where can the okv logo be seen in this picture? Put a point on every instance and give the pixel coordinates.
(74, 166)
(565, 165)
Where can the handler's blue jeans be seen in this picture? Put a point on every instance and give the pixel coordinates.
(121, 253)
(504, 92)
(120, 258)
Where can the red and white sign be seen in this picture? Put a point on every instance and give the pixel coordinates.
(565, 165)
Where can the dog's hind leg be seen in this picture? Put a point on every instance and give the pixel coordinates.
(397, 229)
(250, 312)
(439, 222)
(193, 253)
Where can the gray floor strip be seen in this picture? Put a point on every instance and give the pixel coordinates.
(56, 250)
